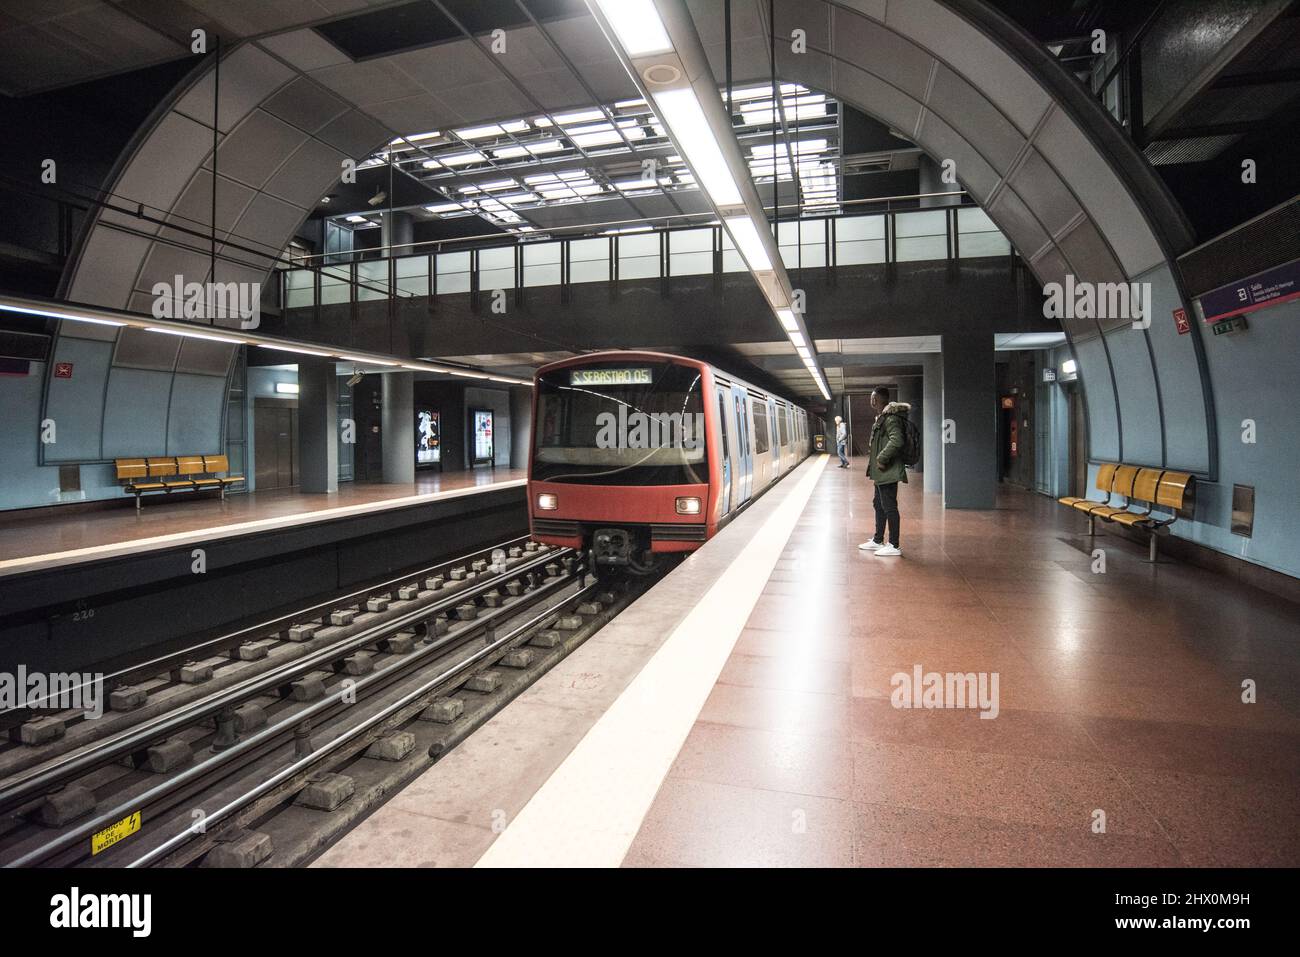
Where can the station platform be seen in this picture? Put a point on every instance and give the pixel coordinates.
(740, 713)
(35, 539)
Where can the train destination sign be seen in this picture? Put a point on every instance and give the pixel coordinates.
(609, 377)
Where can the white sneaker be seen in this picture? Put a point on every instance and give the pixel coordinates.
(888, 551)
(870, 546)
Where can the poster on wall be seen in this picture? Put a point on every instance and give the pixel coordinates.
(428, 448)
(483, 451)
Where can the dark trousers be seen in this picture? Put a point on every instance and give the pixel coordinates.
(885, 502)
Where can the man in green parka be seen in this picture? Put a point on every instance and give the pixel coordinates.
(886, 469)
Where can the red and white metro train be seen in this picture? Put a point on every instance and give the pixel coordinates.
(636, 454)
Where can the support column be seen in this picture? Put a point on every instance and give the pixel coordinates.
(970, 404)
(318, 426)
(397, 428)
(397, 228)
(521, 425)
(932, 422)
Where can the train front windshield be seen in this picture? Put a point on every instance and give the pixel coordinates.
(621, 423)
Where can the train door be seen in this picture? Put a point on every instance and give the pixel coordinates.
(745, 457)
(775, 425)
(728, 476)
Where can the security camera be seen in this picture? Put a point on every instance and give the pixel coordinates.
(356, 377)
(378, 198)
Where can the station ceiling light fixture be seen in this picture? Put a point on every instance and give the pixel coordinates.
(657, 43)
(96, 315)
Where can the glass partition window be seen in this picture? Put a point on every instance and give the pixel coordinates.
(335, 283)
(453, 272)
(803, 243)
(542, 264)
(299, 288)
(732, 261)
(372, 280)
(496, 268)
(859, 240)
(978, 236)
(589, 260)
(922, 235)
(638, 256)
(412, 274)
(690, 252)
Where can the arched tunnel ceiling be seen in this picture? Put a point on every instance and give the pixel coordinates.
(293, 105)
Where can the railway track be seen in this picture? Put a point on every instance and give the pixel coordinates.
(356, 709)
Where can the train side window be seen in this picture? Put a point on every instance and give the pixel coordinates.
(762, 441)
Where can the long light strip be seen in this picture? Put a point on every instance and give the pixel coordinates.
(681, 111)
(106, 317)
(744, 233)
(637, 28)
(197, 335)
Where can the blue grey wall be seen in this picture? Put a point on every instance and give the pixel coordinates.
(1255, 375)
(131, 393)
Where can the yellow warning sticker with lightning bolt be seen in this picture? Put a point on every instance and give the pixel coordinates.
(103, 840)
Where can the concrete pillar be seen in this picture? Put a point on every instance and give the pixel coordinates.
(521, 425)
(318, 426)
(970, 404)
(932, 422)
(397, 228)
(397, 428)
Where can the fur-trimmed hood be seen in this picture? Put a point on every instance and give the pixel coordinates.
(896, 408)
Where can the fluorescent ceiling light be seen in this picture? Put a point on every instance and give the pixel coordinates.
(196, 335)
(693, 136)
(745, 235)
(637, 25)
(796, 338)
(788, 322)
(61, 315)
(286, 388)
(305, 352)
(377, 362)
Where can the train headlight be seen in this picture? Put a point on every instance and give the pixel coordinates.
(548, 502)
(688, 505)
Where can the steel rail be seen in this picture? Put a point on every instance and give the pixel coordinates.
(45, 777)
(318, 754)
(276, 734)
(165, 662)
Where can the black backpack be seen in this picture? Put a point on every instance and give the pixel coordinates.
(911, 441)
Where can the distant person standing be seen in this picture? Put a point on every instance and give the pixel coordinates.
(885, 467)
(842, 441)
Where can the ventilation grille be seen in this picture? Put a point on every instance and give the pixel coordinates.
(1266, 241)
(419, 24)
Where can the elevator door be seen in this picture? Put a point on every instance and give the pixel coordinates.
(275, 444)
